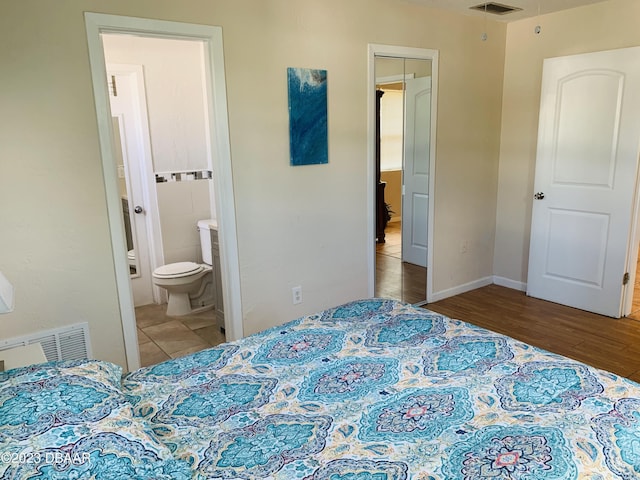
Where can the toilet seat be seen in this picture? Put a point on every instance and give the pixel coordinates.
(178, 270)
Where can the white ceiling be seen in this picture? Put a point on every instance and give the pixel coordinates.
(529, 7)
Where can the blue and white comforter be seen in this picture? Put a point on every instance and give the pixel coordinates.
(380, 390)
(370, 390)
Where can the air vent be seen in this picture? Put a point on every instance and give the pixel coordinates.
(495, 8)
(66, 343)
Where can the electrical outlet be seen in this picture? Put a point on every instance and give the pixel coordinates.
(296, 295)
(464, 246)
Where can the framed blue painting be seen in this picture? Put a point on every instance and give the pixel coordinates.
(308, 142)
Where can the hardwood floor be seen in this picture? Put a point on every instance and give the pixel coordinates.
(635, 306)
(395, 278)
(603, 342)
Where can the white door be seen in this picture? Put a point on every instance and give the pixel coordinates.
(129, 131)
(415, 200)
(585, 181)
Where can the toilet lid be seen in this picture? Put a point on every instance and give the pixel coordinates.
(179, 269)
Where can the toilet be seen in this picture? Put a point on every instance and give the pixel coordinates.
(131, 259)
(189, 284)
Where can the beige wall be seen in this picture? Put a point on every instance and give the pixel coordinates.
(603, 26)
(296, 226)
(176, 105)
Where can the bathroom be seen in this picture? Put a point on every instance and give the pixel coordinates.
(165, 170)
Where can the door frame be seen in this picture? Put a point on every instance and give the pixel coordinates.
(393, 51)
(211, 36)
(633, 251)
(149, 193)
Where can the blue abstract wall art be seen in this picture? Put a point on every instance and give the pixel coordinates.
(308, 144)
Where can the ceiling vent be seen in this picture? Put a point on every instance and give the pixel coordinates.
(495, 8)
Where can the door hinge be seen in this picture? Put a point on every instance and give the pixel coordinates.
(625, 278)
(114, 86)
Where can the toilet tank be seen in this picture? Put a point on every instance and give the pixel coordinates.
(204, 227)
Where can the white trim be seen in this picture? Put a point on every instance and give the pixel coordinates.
(394, 78)
(507, 282)
(467, 287)
(370, 178)
(223, 185)
(633, 250)
(212, 37)
(376, 50)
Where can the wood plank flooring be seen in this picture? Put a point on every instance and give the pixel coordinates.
(606, 343)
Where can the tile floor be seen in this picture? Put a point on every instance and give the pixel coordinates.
(161, 337)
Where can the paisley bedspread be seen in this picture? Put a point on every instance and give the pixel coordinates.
(370, 390)
(378, 389)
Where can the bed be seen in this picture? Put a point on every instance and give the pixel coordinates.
(373, 389)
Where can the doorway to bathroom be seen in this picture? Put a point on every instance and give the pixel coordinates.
(187, 165)
(158, 105)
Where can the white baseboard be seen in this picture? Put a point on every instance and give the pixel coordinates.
(507, 282)
(467, 287)
(481, 282)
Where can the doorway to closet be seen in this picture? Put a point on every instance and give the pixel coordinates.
(403, 151)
